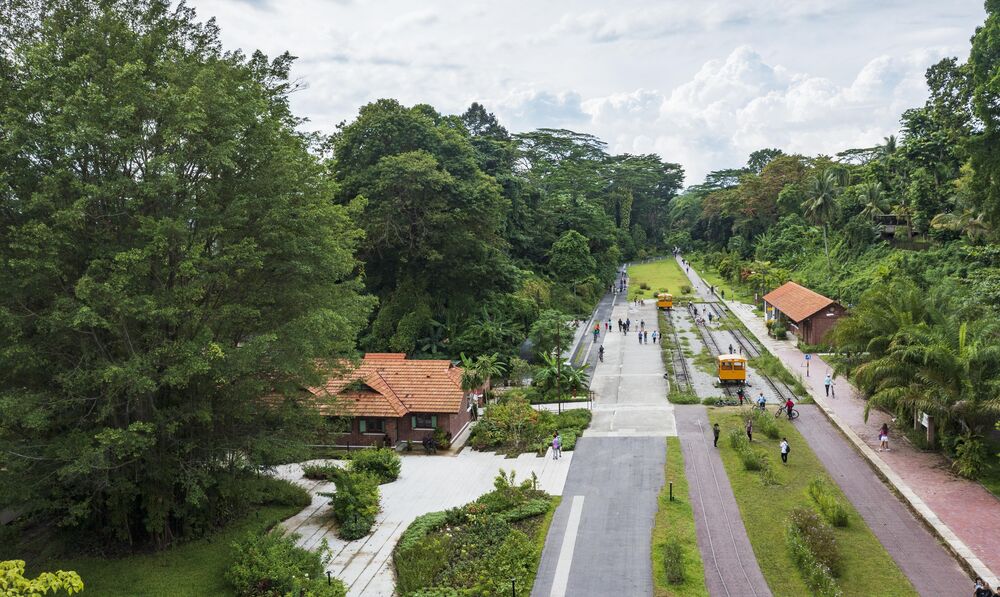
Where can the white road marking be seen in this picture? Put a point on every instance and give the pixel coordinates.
(561, 579)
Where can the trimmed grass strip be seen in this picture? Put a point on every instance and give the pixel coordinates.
(674, 526)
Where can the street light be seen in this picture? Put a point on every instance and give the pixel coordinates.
(513, 587)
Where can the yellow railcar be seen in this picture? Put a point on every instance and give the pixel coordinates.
(732, 368)
(665, 300)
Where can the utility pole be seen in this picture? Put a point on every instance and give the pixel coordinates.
(559, 365)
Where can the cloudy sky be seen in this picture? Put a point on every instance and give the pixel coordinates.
(700, 82)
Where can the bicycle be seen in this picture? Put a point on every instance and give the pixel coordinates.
(781, 410)
(726, 402)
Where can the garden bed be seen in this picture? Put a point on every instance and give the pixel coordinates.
(514, 427)
(478, 548)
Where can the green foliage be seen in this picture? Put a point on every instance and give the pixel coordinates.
(570, 259)
(816, 575)
(830, 508)
(355, 503)
(13, 583)
(320, 472)
(673, 562)
(971, 456)
(384, 463)
(273, 565)
(817, 536)
(515, 427)
(765, 423)
(476, 549)
(171, 256)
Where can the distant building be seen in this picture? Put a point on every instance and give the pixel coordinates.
(388, 396)
(809, 315)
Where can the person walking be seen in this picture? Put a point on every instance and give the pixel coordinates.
(556, 446)
(750, 429)
(741, 395)
(730, 349)
(640, 337)
(784, 450)
(715, 435)
(883, 438)
(600, 353)
(654, 336)
(827, 382)
(646, 336)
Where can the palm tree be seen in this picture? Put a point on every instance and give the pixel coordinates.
(471, 377)
(821, 206)
(576, 379)
(875, 204)
(966, 222)
(488, 367)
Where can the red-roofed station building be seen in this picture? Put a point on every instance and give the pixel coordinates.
(404, 399)
(809, 315)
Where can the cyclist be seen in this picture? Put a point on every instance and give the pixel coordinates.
(788, 408)
(761, 401)
(600, 353)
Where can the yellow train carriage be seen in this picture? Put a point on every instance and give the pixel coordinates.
(732, 368)
(664, 300)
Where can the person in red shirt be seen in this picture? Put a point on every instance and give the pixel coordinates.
(788, 408)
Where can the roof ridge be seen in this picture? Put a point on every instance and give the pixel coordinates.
(397, 404)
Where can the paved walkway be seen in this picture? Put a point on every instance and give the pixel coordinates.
(730, 565)
(426, 484)
(599, 542)
(960, 511)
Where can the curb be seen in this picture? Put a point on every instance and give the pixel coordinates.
(969, 560)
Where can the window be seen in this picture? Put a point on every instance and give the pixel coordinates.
(369, 425)
(423, 421)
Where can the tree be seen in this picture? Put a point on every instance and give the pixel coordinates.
(489, 367)
(761, 158)
(170, 256)
(874, 201)
(821, 205)
(984, 145)
(551, 332)
(14, 584)
(570, 259)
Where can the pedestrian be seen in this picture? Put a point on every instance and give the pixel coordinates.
(654, 336)
(750, 429)
(642, 324)
(982, 589)
(600, 353)
(640, 337)
(827, 382)
(789, 405)
(715, 435)
(646, 336)
(761, 401)
(784, 450)
(883, 438)
(556, 446)
(740, 395)
(709, 317)
(723, 295)
(620, 324)
(730, 349)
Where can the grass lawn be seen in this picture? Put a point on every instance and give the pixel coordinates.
(675, 520)
(663, 275)
(867, 567)
(710, 275)
(195, 568)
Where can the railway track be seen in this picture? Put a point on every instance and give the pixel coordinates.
(713, 347)
(780, 388)
(682, 374)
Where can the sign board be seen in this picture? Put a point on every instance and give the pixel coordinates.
(809, 357)
(925, 419)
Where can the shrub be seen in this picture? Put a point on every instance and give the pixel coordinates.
(442, 438)
(420, 528)
(418, 565)
(816, 575)
(673, 561)
(320, 472)
(535, 507)
(274, 565)
(576, 418)
(970, 456)
(355, 504)
(737, 438)
(832, 510)
(643, 286)
(766, 424)
(752, 459)
(384, 463)
(568, 440)
(685, 289)
(818, 537)
(435, 592)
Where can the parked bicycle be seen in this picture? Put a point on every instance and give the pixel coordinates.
(726, 402)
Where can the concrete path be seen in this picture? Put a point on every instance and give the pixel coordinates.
(426, 484)
(599, 542)
(730, 565)
(962, 512)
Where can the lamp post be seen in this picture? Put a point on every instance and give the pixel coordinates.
(513, 587)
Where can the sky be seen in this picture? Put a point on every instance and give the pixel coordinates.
(701, 83)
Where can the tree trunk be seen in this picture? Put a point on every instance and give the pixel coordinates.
(826, 248)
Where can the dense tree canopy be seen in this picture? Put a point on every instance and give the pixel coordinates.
(170, 254)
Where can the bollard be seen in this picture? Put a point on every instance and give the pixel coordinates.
(671, 491)
(329, 578)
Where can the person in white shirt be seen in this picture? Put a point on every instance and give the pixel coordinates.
(784, 450)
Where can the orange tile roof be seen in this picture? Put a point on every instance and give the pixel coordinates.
(797, 302)
(392, 386)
